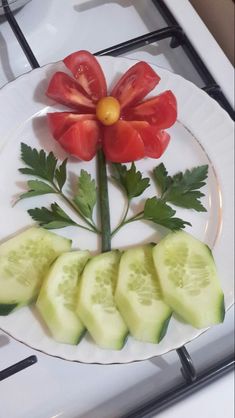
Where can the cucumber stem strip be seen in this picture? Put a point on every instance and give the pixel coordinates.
(104, 202)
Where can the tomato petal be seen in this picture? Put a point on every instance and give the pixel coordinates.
(160, 111)
(135, 84)
(88, 72)
(155, 141)
(122, 143)
(82, 139)
(65, 90)
(59, 122)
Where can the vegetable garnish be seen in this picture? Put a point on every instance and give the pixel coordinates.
(115, 292)
(46, 167)
(111, 294)
(125, 127)
(181, 189)
(108, 110)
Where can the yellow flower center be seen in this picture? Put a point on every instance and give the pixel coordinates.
(108, 110)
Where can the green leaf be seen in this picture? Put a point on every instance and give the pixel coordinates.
(85, 199)
(50, 167)
(193, 179)
(181, 189)
(159, 212)
(37, 188)
(188, 200)
(61, 174)
(51, 219)
(161, 177)
(131, 180)
(39, 164)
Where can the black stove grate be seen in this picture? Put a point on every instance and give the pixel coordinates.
(17, 367)
(192, 381)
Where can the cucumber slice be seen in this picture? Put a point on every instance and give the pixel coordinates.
(138, 296)
(57, 298)
(96, 306)
(24, 261)
(189, 280)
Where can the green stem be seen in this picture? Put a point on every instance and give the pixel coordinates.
(163, 197)
(104, 202)
(134, 218)
(126, 212)
(85, 227)
(74, 207)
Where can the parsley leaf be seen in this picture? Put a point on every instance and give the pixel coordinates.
(51, 219)
(85, 199)
(39, 164)
(188, 199)
(37, 188)
(131, 180)
(157, 211)
(161, 177)
(181, 189)
(61, 174)
(194, 178)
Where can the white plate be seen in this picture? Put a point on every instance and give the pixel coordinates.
(202, 135)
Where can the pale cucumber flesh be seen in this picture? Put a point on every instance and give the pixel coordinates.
(24, 261)
(189, 279)
(96, 306)
(57, 298)
(138, 296)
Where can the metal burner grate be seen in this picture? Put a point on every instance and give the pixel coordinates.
(192, 381)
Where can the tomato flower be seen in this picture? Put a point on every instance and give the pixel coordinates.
(126, 127)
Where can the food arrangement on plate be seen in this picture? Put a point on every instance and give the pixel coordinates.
(118, 292)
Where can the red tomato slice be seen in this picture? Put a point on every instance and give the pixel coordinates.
(160, 111)
(59, 122)
(135, 84)
(88, 73)
(122, 143)
(155, 141)
(65, 90)
(82, 139)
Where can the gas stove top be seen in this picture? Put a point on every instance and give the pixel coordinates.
(55, 388)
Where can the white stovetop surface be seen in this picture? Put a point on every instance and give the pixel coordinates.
(98, 24)
(52, 387)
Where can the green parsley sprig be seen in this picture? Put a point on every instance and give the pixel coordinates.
(180, 189)
(54, 176)
(132, 183)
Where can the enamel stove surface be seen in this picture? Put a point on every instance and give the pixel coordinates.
(52, 387)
